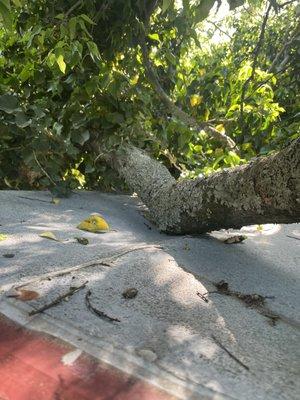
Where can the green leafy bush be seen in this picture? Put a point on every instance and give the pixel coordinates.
(73, 87)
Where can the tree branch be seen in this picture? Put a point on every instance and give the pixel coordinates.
(173, 108)
(266, 190)
(219, 29)
(43, 169)
(74, 6)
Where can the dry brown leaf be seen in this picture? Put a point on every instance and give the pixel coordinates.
(24, 294)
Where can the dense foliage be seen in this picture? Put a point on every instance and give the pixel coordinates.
(73, 86)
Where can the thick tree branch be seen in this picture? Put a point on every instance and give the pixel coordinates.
(267, 190)
(174, 109)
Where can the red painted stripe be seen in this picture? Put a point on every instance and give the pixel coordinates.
(31, 369)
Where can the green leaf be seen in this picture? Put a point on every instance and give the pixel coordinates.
(94, 52)
(89, 169)
(36, 30)
(115, 118)
(235, 3)
(72, 27)
(87, 19)
(39, 113)
(61, 63)
(203, 10)
(154, 36)
(51, 59)
(166, 5)
(60, 16)
(57, 127)
(171, 58)
(26, 72)
(6, 3)
(5, 13)
(81, 137)
(83, 27)
(21, 120)
(9, 103)
(17, 3)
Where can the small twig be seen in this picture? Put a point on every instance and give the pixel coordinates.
(202, 296)
(219, 29)
(10, 148)
(220, 120)
(210, 291)
(30, 198)
(43, 169)
(99, 313)
(56, 301)
(107, 261)
(293, 237)
(229, 353)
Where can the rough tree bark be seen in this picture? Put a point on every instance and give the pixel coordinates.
(266, 190)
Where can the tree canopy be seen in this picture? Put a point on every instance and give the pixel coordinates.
(199, 91)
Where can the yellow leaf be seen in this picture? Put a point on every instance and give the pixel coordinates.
(134, 80)
(220, 128)
(55, 200)
(206, 114)
(2, 236)
(259, 228)
(195, 100)
(202, 71)
(49, 235)
(61, 63)
(94, 223)
(219, 152)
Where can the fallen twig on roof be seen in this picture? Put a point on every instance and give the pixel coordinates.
(202, 296)
(30, 198)
(229, 353)
(58, 299)
(99, 313)
(107, 261)
(293, 237)
(252, 300)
